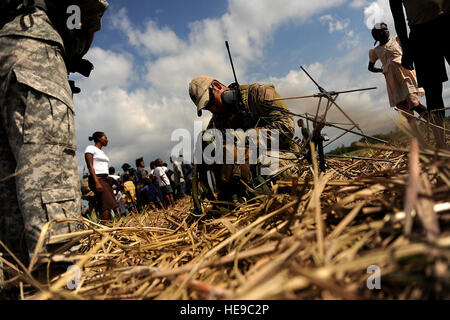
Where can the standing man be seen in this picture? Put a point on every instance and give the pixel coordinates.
(187, 173)
(141, 170)
(164, 182)
(178, 178)
(39, 45)
(141, 174)
(426, 49)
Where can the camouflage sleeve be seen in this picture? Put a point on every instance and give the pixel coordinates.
(262, 96)
(91, 14)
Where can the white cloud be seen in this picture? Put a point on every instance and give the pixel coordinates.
(152, 40)
(110, 69)
(359, 3)
(378, 11)
(249, 25)
(335, 24)
(350, 39)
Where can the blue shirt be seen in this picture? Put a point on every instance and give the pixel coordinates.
(150, 193)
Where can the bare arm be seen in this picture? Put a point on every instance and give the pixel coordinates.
(402, 32)
(89, 158)
(372, 68)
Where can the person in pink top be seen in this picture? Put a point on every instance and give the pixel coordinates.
(426, 49)
(401, 83)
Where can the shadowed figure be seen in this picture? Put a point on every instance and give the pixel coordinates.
(426, 48)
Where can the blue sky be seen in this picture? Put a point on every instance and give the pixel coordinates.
(148, 51)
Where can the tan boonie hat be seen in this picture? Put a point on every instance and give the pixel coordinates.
(199, 91)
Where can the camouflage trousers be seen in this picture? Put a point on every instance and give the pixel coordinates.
(38, 168)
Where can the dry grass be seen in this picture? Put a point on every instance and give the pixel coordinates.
(314, 237)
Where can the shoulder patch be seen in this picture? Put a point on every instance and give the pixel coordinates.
(270, 92)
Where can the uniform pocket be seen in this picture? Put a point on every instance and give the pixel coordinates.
(47, 120)
(60, 203)
(58, 195)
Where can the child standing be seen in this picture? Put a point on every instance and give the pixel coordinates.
(401, 83)
(150, 193)
(130, 192)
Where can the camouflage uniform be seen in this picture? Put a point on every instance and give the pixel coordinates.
(37, 133)
(257, 99)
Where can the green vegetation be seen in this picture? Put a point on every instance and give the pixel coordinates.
(353, 148)
(395, 135)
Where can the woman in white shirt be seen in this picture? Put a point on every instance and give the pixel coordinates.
(98, 165)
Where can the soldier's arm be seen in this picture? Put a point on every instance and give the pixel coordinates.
(402, 32)
(272, 117)
(280, 121)
(399, 20)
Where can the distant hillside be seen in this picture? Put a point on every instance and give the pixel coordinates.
(395, 135)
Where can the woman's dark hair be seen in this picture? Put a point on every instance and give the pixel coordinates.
(138, 162)
(96, 136)
(376, 30)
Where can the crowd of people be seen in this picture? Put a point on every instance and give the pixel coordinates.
(135, 188)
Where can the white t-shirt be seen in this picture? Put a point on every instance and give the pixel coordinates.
(160, 173)
(101, 160)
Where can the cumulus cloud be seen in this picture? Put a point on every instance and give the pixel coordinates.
(358, 3)
(378, 11)
(335, 24)
(341, 25)
(111, 69)
(153, 40)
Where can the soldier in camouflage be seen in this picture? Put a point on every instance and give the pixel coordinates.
(208, 94)
(38, 168)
